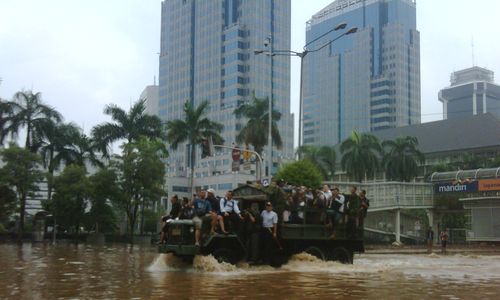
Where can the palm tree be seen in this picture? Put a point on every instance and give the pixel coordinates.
(194, 129)
(129, 126)
(29, 112)
(402, 158)
(256, 130)
(55, 148)
(5, 120)
(360, 155)
(324, 158)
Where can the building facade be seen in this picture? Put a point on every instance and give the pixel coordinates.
(366, 81)
(150, 96)
(207, 54)
(472, 92)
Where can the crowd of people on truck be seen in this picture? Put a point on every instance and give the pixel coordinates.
(326, 206)
(258, 228)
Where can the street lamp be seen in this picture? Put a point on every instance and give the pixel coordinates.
(270, 53)
(301, 55)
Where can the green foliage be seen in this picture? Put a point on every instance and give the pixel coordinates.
(300, 173)
(402, 158)
(103, 190)
(130, 126)
(256, 130)
(8, 201)
(360, 155)
(21, 174)
(28, 112)
(193, 129)
(141, 173)
(151, 221)
(454, 220)
(69, 201)
(324, 158)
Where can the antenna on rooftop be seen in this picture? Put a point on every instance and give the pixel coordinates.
(473, 57)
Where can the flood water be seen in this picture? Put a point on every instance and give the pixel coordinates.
(123, 272)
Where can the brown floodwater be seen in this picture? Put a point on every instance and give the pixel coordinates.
(38, 271)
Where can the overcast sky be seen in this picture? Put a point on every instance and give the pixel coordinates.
(83, 54)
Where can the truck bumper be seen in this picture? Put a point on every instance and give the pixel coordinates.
(181, 250)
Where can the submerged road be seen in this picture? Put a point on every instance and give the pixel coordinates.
(122, 272)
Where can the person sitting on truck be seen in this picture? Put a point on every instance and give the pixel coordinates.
(202, 212)
(269, 232)
(216, 213)
(187, 211)
(230, 211)
(174, 213)
(353, 209)
(365, 203)
(335, 210)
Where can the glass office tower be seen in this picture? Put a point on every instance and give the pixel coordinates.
(366, 81)
(472, 92)
(207, 53)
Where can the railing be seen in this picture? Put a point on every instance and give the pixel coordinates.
(391, 195)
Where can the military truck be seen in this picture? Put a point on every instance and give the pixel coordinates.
(311, 236)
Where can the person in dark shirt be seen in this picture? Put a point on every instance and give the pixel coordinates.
(365, 203)
(174, 213)
(353, 211)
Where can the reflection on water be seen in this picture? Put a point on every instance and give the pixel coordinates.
(121, 271)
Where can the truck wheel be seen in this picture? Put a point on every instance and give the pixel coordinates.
(224, 255)
(316, 252)
(342, 255)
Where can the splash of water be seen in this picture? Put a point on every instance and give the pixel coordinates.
(210, 264)
(167, 262)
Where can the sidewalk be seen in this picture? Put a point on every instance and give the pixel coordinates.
(420, 249)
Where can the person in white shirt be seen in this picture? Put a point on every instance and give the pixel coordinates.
(336, 207)
(269, 232)
(230, 211)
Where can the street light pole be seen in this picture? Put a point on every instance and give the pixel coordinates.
(268, 43)
(301, 55)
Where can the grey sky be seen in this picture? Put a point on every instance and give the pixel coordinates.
(83, 54)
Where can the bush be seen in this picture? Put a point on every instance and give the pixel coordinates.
(301, 173)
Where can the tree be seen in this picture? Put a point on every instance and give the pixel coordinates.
(324, 158)
(194, 129)
(70, 197)
(6, 115)
(402, 158)
(300, 173)
(31, 114)
(21, 173)
(256, 130)
(129, 126)
(55, 148)
(360, 155)
(7, 200)
(103, 189)
(141, 177)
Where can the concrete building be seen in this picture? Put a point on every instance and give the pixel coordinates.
(366, 81)
(150, 95)
(472, 92)
(207, 54)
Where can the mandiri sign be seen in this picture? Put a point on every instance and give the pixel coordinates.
(484, 185)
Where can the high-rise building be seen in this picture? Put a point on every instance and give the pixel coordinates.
(207, 54)
(150, 96)
(472, 92)
(366, 81)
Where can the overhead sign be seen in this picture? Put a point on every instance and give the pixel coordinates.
(456, 187)
(487, 185)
